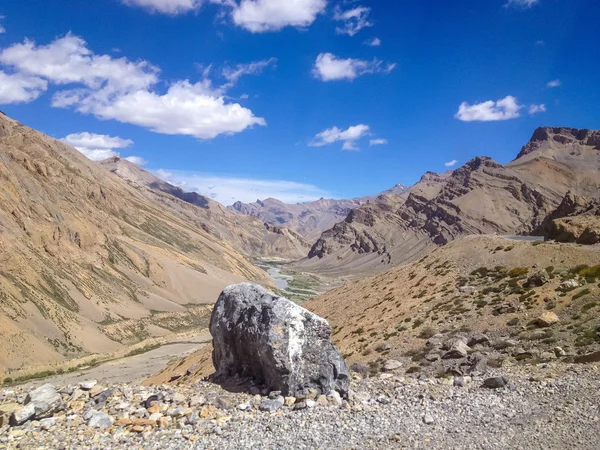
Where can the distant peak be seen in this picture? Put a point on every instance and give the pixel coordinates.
(562, 135)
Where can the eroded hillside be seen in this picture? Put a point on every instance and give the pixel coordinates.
(481, 197)
(89, 264)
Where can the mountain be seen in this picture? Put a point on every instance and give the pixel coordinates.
(576, 219)
(248, 234)
(481, 197)
(89, 263)
(308, 219)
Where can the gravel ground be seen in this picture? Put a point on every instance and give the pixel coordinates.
(549, 406)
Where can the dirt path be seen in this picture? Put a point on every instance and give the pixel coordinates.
(132, 369)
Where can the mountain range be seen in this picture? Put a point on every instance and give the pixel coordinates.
(97, 256)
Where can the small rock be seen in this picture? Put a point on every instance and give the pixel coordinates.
(244, 406)
(274, 394)
(458, 349)
(99, 419)
(334, 398)
(391, 365)
(547, 319)
(22, 415)
(270, 405)
(97, 389)
(290, 401)
(225, 403)
(88, 385)
(384, 400)
(47, 423)
(322, 400)
(478, 339)
(300, 405)
(495, 382)
(310, 403)
(559, 352)
(428, 419)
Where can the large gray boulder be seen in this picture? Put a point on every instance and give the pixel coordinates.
(274, 342)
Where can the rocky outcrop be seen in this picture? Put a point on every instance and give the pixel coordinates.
(577, 219)
(274, 343)
(561, 135)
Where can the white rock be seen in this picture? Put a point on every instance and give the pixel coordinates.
(88, 385)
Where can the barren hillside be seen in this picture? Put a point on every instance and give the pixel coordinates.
(88, 263)
(248, 234)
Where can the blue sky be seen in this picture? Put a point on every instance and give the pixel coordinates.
(298, 99)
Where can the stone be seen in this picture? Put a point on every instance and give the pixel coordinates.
(164, 422)
(154, 409)
(559, 352)
(155, 416)
(197, 400)
(99, 419)
(322, 400)
(270, 405)
(47, 423)
(333, 397)
(478, 339)
(547, 319)
(6, 410)
(274, 394)
(384, 400)
(97, 389)
(45, 400)
(428, 419)
(150, 401)
(225, 403)
(537, 279)
(391, 365)
(278, 343)
(244, 406)
(22, 415)
(88, 385)
(569, 285)
(290, 401)
(300, 405)
(310, 403)
(458, 349)
(495, 382)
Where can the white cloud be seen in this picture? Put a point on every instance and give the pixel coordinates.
(534, 109)
(504, 109)
(540, 43)
(187, 109)
(227, 190)
(334, 134)
(354, 19)
(99, 146)
(20, 88)
(136, 160)
(122, 90)
(451, 163)
(2, 29)
(554, 83)
(259, 16)
(233, 74)
(92, 140)
(166, 6)
(329, 67)
(68, 60)
(375, 42)
(373, 142)
(521, 3)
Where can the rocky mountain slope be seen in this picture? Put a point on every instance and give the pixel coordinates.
(248, 234)
(481, 197)
(577, 219)
(308, 219)
(89, 263)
